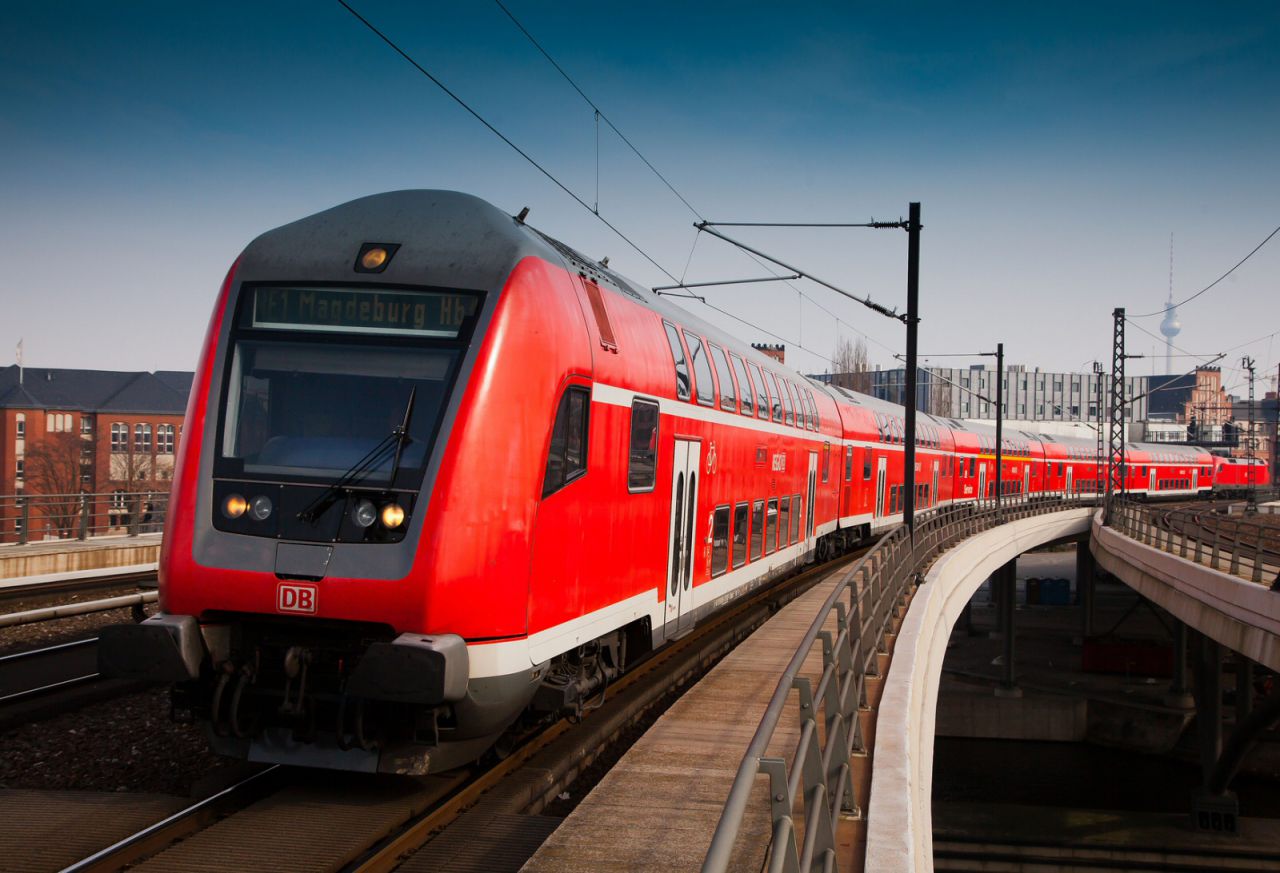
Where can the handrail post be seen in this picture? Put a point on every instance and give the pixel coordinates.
(84, 517)
(25, 536)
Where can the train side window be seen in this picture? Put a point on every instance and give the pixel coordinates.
(826, 461)
(728, 395)
(567, 457)
(788, 411)
(771, 526)
(776, 396)
(762, 396)
(973, 466)
(744, 385)
(642, 461)
(677, 357)
(720, 541)
(866, 463)
(784, 521)
(795, 519)
(1059, 468)
(757, 530)
(812, 406)
(701, 371)
(848, 463)
(741, 533)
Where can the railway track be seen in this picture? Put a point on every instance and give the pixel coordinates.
(289, 819)
(40, 683)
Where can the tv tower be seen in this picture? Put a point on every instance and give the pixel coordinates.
(1170, 326)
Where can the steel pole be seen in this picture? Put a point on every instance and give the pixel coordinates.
(999, 426)
(913, 320)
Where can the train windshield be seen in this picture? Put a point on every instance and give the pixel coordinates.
(316, 410)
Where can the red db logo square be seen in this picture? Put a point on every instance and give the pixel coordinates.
(297, 598)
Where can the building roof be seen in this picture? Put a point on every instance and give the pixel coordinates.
(164, 391)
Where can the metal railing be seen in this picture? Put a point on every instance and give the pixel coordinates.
(32, 518)
(818, 779)
(1244, 547)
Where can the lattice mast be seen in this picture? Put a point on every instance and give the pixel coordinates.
(1251, 506)
(1115, 450)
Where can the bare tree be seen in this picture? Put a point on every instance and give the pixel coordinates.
(852, 369)
(53, 467)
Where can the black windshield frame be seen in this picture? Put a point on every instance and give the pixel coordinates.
(408, 478)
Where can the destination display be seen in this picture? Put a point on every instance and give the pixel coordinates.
(362, 310)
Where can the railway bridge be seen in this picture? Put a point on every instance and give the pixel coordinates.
(837, 773)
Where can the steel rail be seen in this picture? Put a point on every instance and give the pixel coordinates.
(113, 857)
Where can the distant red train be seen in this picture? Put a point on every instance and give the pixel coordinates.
(1233, 477)
(443, 475)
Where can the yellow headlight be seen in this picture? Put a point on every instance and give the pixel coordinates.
(373, 259)
(234, 506)
(392, 515)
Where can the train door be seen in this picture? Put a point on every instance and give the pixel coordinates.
(1195, 478)
(1151, 482)
(1026, 481)
(684, 515)
(810, 499)
(880, 477)
(982, 483)
(933, 495)
(1066, 487)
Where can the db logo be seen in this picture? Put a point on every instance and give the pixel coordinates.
(297, 598)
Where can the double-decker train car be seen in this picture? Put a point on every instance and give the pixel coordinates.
(443, 476)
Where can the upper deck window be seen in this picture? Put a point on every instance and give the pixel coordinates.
(701, 370)
(744, 385)
(777, 396)
(728, 396)
(762, 396)
(677, 356)
(787, 409)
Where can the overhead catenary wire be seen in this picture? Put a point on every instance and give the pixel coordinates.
(541, 169)
(600, 115)
(1213, 283)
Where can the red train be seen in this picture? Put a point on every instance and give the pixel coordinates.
(1233, 476)
(443, 475)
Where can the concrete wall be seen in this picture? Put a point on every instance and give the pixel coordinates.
(899, 817)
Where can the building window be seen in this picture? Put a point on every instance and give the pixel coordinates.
(86, 425)
(164, 439)
(567, 456)
(21, 468)
(20, 425)
(142, 438)
(119, 500)
(642, 465)
(119, 437)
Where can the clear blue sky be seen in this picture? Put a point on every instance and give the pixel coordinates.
(1054, 147)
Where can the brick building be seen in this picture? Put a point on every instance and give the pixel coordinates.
(86, 431)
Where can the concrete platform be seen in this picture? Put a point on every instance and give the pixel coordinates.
(658, 807)
(67, 556)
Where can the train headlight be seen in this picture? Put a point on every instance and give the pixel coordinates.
(260, 508)
(392, 516)
(373, 258)
(234, 506)
(364, 513)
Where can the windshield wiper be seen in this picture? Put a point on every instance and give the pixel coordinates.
(397, 438)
